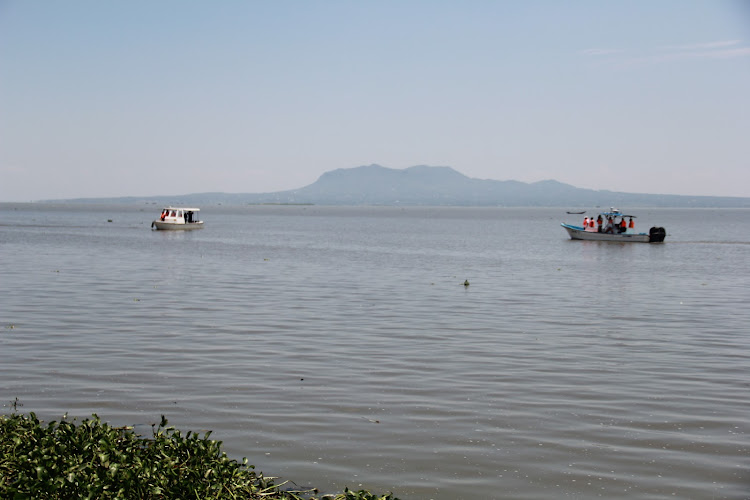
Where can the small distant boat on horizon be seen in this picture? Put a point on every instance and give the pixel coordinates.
(610, 230)
(178, 218)
(577, 213)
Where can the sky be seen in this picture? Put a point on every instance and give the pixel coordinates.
(144, 98)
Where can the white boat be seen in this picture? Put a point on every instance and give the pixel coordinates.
(178, 218)
(611, 230)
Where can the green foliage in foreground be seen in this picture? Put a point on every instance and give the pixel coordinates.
(61, 460)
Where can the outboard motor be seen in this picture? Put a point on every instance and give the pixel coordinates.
(656, 235)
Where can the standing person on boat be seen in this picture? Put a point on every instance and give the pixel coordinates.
(586, 222)
(623, 225)
(610, 227)
(631, 224)
(599, 222)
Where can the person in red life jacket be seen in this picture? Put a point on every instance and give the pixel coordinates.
(631, 225)
(591, 224)
(623, 225)
(599, 222)
(586, 222)
(163, 214)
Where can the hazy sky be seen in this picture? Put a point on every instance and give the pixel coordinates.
(118, 98)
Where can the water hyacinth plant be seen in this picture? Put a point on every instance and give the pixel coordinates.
(93, 460)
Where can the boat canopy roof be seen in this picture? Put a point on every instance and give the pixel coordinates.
(184, 209)
(613, 212)
(616, 214)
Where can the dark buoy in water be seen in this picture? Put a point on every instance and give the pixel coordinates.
(466, 283)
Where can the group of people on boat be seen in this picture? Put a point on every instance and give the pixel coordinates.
(598, 226)
(188, 215)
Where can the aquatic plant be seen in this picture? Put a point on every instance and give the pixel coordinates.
(94, 460)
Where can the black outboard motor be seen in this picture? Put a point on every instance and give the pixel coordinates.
(656, 235)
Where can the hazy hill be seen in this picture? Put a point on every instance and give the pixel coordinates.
(424, 185)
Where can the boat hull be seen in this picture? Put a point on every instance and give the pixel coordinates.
(172, 226)
(578, 233)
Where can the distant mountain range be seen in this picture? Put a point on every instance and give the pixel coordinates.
(434, 186)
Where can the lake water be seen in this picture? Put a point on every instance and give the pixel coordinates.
(338, 346)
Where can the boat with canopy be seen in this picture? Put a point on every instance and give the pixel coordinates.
(178, 218)
(607, 228)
